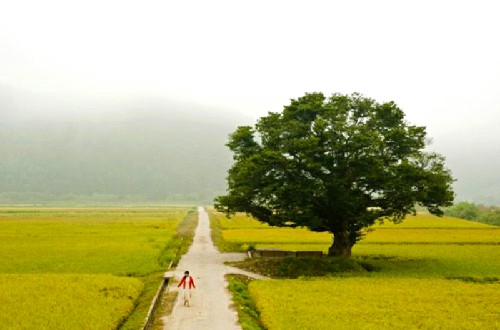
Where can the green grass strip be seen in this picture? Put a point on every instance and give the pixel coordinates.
(248, 315)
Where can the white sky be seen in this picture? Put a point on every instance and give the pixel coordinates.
(438, 60)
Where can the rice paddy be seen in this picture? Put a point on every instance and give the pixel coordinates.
(381, 303)
(425, 273)
(80, 268)
(58, 301)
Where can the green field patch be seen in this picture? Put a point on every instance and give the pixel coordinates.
(374, 303)
(248, 315)
(58, 301)
(85, 241)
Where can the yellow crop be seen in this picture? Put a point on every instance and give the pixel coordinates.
(434, 235)
(406, 287)
(421, 220)
(426, 220)
(375, 303)
(276, 235)
(64, 302)
(113, 241)
(420, 229)
(237, 221)
(54, 261)
(432, 260)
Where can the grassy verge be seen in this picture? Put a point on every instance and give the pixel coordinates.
(183, 239)
(166, 306)
(173, 251)
(248, 315)
(138, 315)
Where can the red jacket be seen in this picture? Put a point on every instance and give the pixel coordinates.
(183, 282)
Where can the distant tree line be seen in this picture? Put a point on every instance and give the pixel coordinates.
(476, 212)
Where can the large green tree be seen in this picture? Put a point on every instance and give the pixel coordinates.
(334, 164)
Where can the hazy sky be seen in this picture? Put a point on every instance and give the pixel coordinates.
(438, 60)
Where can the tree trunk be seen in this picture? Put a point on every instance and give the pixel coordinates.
(341, 245)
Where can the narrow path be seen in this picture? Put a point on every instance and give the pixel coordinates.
(210, 302)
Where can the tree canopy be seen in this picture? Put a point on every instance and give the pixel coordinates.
(334, 164)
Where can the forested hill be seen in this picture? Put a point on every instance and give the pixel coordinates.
(134, 154)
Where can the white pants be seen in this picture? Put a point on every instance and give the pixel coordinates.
(186, 294)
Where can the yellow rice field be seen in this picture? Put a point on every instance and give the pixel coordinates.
(434, 235)
(275, 235)
(426, 220)
(415, 229)
(427, 273)
(56, 301)
(379, 235)
(369, 303)
(238, 221)
(63, 268)
(116, 241)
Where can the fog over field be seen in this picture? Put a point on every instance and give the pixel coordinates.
(121, 152)
(155, 151)
(133, 101)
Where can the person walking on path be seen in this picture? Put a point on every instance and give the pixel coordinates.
(187, 284)
(211, 306)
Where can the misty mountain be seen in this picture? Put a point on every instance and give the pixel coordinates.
(100, 150)
(131, 152)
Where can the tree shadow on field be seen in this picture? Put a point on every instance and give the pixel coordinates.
(398, 265)
(292, 267)
(361, 265)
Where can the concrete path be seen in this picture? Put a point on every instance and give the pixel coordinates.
(210, 303)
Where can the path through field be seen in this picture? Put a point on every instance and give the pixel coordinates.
(210, 303)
